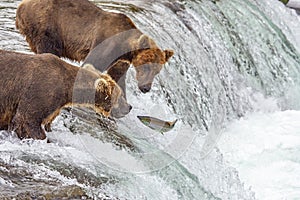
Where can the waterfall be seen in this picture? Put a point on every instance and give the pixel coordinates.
(231, 56)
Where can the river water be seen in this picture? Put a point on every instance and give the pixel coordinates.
(234, 86)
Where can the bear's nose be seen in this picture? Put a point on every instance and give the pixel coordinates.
(130, 107)
(145, 88)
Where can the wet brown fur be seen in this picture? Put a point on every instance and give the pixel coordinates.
(74, 28)
(34, 88)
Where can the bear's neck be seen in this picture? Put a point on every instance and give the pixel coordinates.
(83, 89)
(107, 52)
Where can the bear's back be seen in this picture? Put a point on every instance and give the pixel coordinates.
(25, 68)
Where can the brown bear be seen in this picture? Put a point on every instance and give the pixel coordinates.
(34, 88)
(78, 30)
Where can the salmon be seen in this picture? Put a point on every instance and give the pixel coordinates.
(157, 124)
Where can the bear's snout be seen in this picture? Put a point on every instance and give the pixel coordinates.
(121, 112)
(145, 88)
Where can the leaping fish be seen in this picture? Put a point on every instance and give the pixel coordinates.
(157, 124)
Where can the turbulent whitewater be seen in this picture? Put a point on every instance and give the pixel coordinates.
(233, 84)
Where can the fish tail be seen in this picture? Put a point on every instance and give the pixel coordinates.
(172, 124)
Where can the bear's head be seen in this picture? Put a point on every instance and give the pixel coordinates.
(109, 97)
(148, 60)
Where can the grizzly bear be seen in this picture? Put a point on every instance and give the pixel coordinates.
(34, 88)
(78, 30)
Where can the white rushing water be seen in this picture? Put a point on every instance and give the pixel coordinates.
(264, 148)
(264, 145)
(233, 83)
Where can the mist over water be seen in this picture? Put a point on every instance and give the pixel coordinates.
(233, 83)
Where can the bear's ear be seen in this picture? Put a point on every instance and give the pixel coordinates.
(143, 42)
(91, 68)
(102, 85)
(168, 54)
